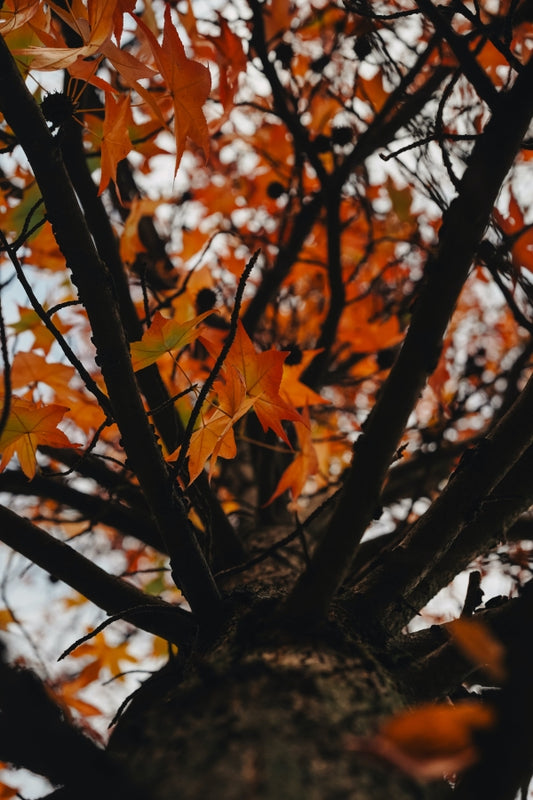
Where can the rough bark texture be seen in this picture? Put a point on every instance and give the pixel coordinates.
(264, 713)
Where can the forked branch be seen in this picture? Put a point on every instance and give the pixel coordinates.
(462, 229)
(95, 287)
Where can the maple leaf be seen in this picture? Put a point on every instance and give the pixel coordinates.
(43, 251)
(480, 646)
(188, 83)
(95, 23)
(28, 211)
(262, 374)
(105, 655)
(6, 619)
(434, 738)
(277, 17)
(215, 436)
(130, 243)
(16, 13)
(304, 464)
(66, 693)
(162, 336)
(28, 426)
(29, 320)
(372, 91)
(231, 60)
(31, 368)
(92, 22)
(293, 390)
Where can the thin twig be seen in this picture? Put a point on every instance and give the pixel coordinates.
(89, 382)
(6, 408)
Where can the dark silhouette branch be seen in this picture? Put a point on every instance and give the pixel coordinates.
(378, 134)
(164, 415)
(163, 411)
(96, 509)
(285, 105)
(506, 762)
(190, 570)
(36, 734)
(470, 68)
(88, 380)
(314, 373)
(462, 229)
(486, 494)
(497, 521)
(113, 595)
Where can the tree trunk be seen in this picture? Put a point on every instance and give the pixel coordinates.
(265, 713)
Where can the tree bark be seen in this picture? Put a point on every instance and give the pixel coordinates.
(265, 713)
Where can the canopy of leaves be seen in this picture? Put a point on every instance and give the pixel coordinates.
(270, 263)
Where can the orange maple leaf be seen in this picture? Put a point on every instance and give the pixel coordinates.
(66, 693)
(262, 374)
(105, 655)
(29, 320)
(479, 645)
(429, 741)
(231, 60)
(31, 368)
(434, 738)
(92, 22)
(304, 464)
(296, 392)
(277, 17)
(15, 13)
(130, 243)
(188, 83)
(95, 23)
(214, 436)
(28, 426)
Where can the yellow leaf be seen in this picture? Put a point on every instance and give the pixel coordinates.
(162, 336)
(6, 618)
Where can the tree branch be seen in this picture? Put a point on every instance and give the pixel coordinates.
(190, 570)
(462, 229)
(164, 414)
(313, 374)
(471, 69)
(35, 734)
(113, 595)
(98, 510)
(496, 521)
(506, 759)
(165, 417)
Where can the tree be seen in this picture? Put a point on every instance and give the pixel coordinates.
(289, 388)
